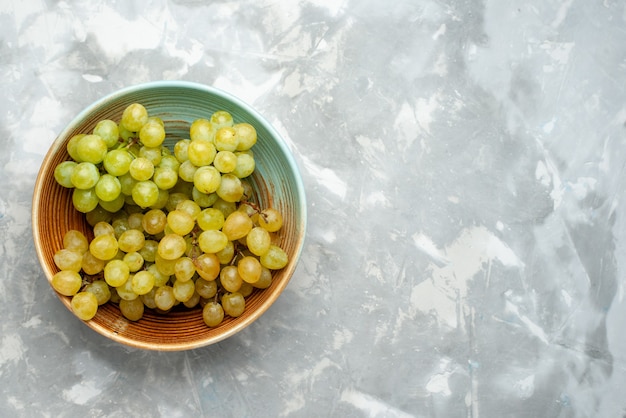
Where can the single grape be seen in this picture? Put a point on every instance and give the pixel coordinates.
(63, 173)
(134, 260)
(202, 130)
(165, 266)
(180, 150)
(132, 309)
(125, 291)
(149, 250)
(275, 258)
(104, 247)
(85, 200)
(72, 146)
(226, 139)
(226, 207)
(164, 298)
(245, 165)
(84, 305)
(237, 225)
(207, 179)
(207, 266)
(134, 117)
(162, 198)
(116, 273)
(221, 118)
(183, 290)
(91, 148)
(212, 314)
(101, 291)
(92, 265)
(230, 278)
(246, 136)
(141, 169)
(193, 301)
(152, 134)
(249, 269)
(265, 280)
(145, 193)
(114, 205)
(152, 154)
(226, 255)
(184, 269)
(169, 161)
(131, 240)
(148, 298)
(108, 188)
(258, 241)
(75, 240)
(67, 282)
(187, 171)
(233, 304)
(108, 131)
(204, 200)
(127, 183)
(85, 175)
(66, 259)
(225, 161)
(103, 228)
(230, 188)
(270, 219)
(180, 222)
(210, 218)
(172, 247)
(142, 282)
(201, 153)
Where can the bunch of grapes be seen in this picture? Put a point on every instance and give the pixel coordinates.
(170, 227)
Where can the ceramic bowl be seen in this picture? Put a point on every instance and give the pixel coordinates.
(276, 180)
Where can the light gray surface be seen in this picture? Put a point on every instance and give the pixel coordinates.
(463, 163)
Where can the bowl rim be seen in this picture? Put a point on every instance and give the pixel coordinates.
(174, 84)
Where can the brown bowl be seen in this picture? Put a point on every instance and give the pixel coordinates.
(276, 181)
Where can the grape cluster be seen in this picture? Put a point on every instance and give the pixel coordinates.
(170, 227)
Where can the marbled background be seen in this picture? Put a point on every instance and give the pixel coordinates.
(463, 162)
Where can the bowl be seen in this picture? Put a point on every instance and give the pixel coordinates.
(276, 181)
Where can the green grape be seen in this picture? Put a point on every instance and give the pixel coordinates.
(210, 218)
(103, 228)
(184, 269)
(258, 241)
(134, 260)
(275, 258)
(117, 162)
(125, 133)
(221, 118)
(230, 188)
(203, 200)
(142, 282)
(114, 205)
(245, 165)
(127, 183)
(180, 150)
(174, 199)
(233, 304)
(156, 119)
(63, 173)
(246, 136)
(187, 171)
(190, 207)
(202, 130)
(193, 301)
(201, 153)
(85, 175)
(212, 314)
(206, 288)
(116, 273)
(164, 298)
(226, 139)
(165, 266)
(141, 169)
(149, 250)
(161, 279)
(132, 309)
(92, 265)
(265, 280)
(249, 269)
(135, 221)
(237, 225)
(84, 305)
(101, 291)
(180, 222)
(92, 149)
(207, 179)
(125, 291)
(148, 298)
(145, 193)
(230, 279)
(67, 282)
(225, 161)
(162, 198)
(131, 240)
(75, 240)
(134, 117)
(71, 147)
(171, 247)
(108, 131)
(85, 200)
(108, 188)
(152, 134)
(212, 241)
(270, 219)
(183, 290)
(226, 207)
(98, 214)
(66, 259)
(104, 246)
(226, 255)
(207, 266)
(120, 224)
(170, 161)
(152, 154)
(165, 177)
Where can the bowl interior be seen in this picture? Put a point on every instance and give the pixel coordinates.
(276, 180)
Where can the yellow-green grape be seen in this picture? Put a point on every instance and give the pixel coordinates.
(165, 177)
(246, 289)
(226, 207)
(91, 265)
(210, 218)
(114, 205)
(92, 149)
(230, 279)
(125, 291)
(75, 240)
(125, 133)
(63, 173)
(183, 290)
(174, 199)
(249, 269)
(152, 154)
(225, 161)
(203, 200)
(221, 118)
(132, 309)
(193, 301)
(212, 241)
(145, 193)
(184, 269)
(142, 282)
(161, 279)
(71, 147)
(162, 197)
(84, 305)
(148, 252)
(127, 182)
(108, 188)
(258, 241)
(116, 273)
(202, 130)
(246, 136)
(156, 119)
(206, 288)
(141, 169)
(187, 171)
(164, 298)
(230, 188)
(154, 221)
(66, 259)
(237, 225)
(104, 247)
(117, 162)
(67, 282)
(270, 219)
(134, 260)
(108, 131)
(180, 222)
(120, 224)
(101, 291)
(190, 207)
(152, 134)
(172, 247)
(226, 139)
(207, 266)
(245, 165)
(226, 255)
(275, 258)
(265, 280)
(134, 117)
(233, 304)
(207, 179)
(85, 175)
(180, 150)
(165, 266)
(131, 240)
(201, 153)
(98, 214)
(148, 298)
(169, 161)
(212, 314)
(103, 228)
(134, 221)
